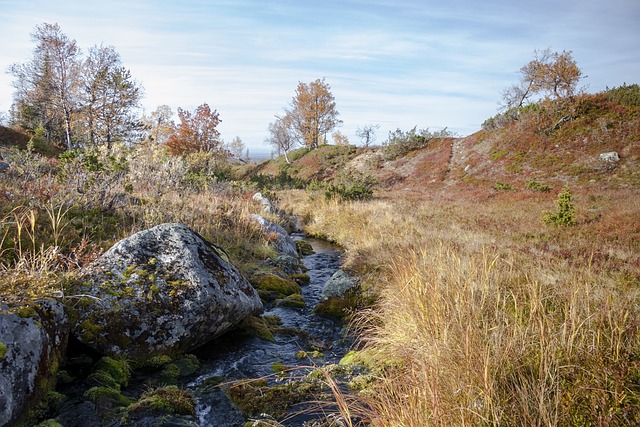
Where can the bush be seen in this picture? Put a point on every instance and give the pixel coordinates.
(534, 185)
(351, 186)
(625, 95)
(400, 142)
(565, 215)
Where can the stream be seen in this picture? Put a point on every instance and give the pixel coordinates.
(234, 357)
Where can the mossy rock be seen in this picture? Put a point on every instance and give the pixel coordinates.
(105, 394)
(263, 327)
(271, 285)
(3, 349)
(169, 400)
(49, 423)
(257, 397)
(315, 354)
(295, 301)
(118, 370)
(304, 248)
(335, 307)
(301, 278)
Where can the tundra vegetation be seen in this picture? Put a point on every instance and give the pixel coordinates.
(484, 306)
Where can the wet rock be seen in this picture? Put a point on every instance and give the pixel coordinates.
(4, 166)
(284, 244)
(161, 291)
(288, 264)
(32, 341)
(338, 284)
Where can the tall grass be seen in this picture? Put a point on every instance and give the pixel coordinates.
(485, 316)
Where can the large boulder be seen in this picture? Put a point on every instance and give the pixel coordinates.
(32, 342)
(283, 243)
(265, 203)
(161, 291)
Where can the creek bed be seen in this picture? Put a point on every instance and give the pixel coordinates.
(235, 357)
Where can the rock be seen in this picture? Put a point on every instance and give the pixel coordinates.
(338, 284)
(32, 342)
(161, 291)
(267, 207)
(4, 166)
(288, 264)
(284, 244)
(610, 157)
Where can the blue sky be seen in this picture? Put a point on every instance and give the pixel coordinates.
(396, 63)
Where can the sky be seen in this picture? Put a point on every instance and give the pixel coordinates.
(394, 63)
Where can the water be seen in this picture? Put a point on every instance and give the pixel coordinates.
(235, 357)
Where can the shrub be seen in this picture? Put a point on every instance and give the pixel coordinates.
(351, 186)
(565, 215)
(625, 95)
(400, 142)
(500, 186)
(534, 185)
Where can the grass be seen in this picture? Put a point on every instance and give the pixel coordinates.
(491, 316)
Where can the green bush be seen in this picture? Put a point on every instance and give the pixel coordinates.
(500, 186)
(625, 95)
(565, 215)
(400, 142)
(351, 186)
(534, 185)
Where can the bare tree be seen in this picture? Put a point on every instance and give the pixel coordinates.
(281, 135)
(367, 134)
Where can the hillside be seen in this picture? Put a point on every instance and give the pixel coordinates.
(554, 144)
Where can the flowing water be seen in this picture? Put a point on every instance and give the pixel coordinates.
(235, 357)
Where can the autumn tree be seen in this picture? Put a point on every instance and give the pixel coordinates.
(339, 138)
(367, 133)
(159, 124)
(548, 74)
(47, 85)
(109, 96)
(281, 135)
(195, 132)
(313, 113)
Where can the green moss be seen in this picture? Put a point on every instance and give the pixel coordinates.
(103, 379)
(164, 400)
(301, 278)
(335, 306)
(158, 361)
(256, 397)
(263, 327)
(294, 300)
(90, 331)
(119, 370)
(26, 312)
(3, 349)
(98, 394)
(171, 371)
(279, 367)
(271, 284)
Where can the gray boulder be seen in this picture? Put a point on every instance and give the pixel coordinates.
(267, 207)
(32, 342)
(4, 166)
(283, 244)
(338, 284)
(610, 157)
(161, 291)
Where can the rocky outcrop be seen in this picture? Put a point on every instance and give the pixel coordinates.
(283, 243)
(32, 341)
(610, 157)
(161, 291)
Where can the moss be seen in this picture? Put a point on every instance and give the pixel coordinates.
(271, 284)
(3, 349)
(158, 361)
(97, 394)
(119, 370)
(256, 397)
(171, 371)
(301, 278)
(164, 400)
(294, 300)
(263, 327)
(103, 379)
(334, 307)
(279, 367)
(26, 312)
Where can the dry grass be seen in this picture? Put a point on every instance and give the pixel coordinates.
(491, 317)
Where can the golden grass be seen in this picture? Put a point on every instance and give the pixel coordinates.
(491, 317)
